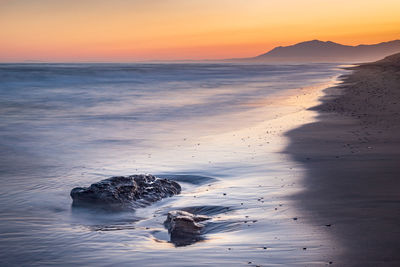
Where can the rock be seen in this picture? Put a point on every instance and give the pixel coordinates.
(181, 222)
(185, 228)
(125, 192)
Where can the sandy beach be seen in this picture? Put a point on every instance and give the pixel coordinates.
(352, 160)
(285, 179)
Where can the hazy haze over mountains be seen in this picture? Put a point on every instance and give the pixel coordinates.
(319, 51)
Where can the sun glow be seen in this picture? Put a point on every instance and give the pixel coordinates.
(123, 30)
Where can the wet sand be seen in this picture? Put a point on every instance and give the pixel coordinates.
(352, 159)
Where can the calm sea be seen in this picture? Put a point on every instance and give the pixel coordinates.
(206, 125)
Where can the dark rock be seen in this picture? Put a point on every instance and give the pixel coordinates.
(125, 192)
(185, 228)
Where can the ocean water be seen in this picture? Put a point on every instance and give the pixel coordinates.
(211, 127)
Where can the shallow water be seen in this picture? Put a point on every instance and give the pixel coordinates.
(209, 126)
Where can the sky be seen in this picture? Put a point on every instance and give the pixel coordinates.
(136, 30)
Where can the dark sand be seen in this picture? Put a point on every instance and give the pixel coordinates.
(352, 158)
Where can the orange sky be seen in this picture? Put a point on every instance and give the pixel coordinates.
(131, 30)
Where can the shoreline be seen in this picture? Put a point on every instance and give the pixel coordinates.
(351, 155)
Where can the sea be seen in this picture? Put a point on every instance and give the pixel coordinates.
(215, 128)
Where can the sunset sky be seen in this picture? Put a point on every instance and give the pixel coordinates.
(132, 30)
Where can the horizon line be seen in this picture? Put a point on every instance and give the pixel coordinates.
(33, 61)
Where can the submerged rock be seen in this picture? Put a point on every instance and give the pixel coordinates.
(185, 228)
(125, 191)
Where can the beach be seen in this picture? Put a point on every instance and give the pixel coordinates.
(287, 180)
(352, 160)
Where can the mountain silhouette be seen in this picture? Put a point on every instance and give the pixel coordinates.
(319, 51)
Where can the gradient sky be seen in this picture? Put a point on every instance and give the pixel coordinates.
(131, 30)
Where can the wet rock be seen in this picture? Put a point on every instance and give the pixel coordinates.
(185, 228)
(125, 192)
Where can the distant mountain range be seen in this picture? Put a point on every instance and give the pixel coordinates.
(319, 51)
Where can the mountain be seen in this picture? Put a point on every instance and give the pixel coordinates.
(319, 51)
